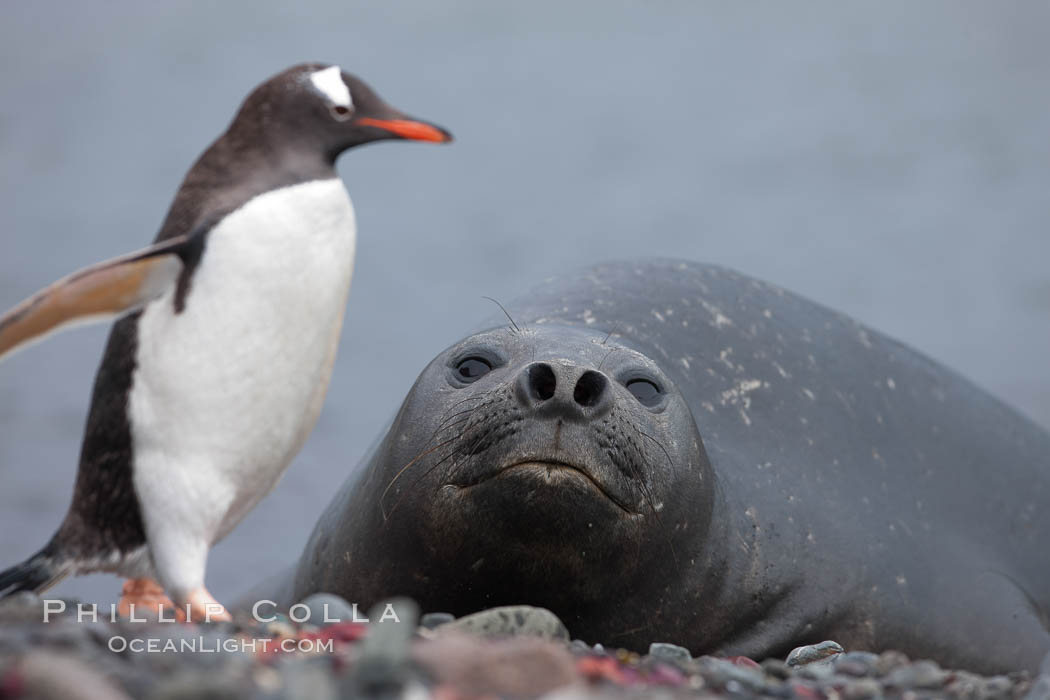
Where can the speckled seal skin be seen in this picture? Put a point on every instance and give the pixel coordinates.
(670, 451)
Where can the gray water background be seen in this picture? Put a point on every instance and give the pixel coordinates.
(888, 159)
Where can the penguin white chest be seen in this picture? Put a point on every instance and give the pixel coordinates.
(226, 391)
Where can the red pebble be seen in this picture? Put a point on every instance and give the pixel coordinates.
(597, 668)
(344, 631)
(743, 661)
(666, 675)
(12, 685)
(804, 691)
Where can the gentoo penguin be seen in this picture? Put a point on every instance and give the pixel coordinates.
(214, 376)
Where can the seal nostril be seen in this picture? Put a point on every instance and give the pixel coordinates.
(542, 381)
(589, 388)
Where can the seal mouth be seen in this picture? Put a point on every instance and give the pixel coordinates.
(552, 471)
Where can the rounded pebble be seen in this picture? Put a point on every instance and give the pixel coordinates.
(323, 609)
(669, 652)
(801, 656)
(382, 655)
(776, 668)
(720, 673)
(862, 689)
(511, 621)
(995, 687)
(856, 663)
(925, 675)
(889, 660)
(436, 619)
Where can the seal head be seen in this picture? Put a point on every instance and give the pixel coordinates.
(544, 454)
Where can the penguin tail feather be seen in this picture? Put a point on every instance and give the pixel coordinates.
(37, 573)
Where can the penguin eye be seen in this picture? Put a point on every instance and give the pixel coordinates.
(471, 369)
(645, 391)
(341, 112)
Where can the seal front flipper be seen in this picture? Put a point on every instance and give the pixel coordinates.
(96, 293)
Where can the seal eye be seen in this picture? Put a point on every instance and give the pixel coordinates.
(473, 368)
(341, 112)
(645, 391)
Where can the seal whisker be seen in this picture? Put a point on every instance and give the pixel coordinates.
(486, 395)
(445, 424)
(647, 493)
(409, 464)
(458, 419)
(504, 312)
(479, 397)
(636, 472)
(484, 430)
(414, 483)
(674, 469)
(430, 470)
(448, 421)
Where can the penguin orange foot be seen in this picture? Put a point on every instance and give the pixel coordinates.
(215, 375)
(144, 597)
(200, 606)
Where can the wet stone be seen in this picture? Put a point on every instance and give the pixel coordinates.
(26, 607)
(720, 673)
(388, 641)
(925, 675)
(861, 689)
(189, 685)
(775, 689)
(14, 640)
(510, 621)
(816, 670)
(995, 688)
(307, 681)
(46, 674)
(1040, 689)
(669, 652)
(66, 636)
(521, 667)
(889, 660)
(776, 668)
(579, 647)
(324, 609)
(433, 620)
(383, 667)
(856, 663)
(814, 653)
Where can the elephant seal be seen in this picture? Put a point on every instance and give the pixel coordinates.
(670, 451)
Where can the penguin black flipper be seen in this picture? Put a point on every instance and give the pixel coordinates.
(37, 573)
(99, 292)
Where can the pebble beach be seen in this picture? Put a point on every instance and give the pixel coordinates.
(329, 651)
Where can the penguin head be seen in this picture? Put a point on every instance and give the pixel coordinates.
(323, 109)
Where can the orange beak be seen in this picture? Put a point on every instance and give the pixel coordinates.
(409, 129)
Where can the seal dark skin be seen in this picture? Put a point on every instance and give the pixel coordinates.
(669, 451)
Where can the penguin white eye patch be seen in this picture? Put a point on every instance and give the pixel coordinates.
(329, 82)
